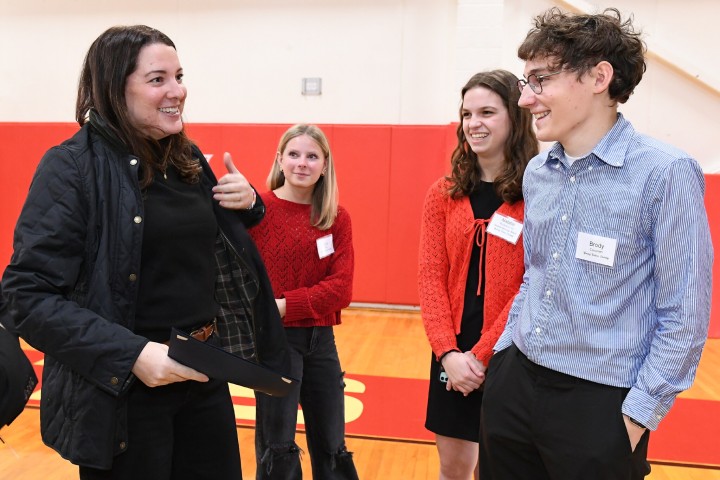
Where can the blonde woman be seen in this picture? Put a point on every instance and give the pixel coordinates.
(306, 242)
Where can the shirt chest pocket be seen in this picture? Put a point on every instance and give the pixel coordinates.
(607, 251)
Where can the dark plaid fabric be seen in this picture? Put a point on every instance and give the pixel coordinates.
(236, 290)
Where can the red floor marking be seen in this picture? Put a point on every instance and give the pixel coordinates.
(394, 408)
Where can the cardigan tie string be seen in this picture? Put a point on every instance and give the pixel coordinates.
(478, 228)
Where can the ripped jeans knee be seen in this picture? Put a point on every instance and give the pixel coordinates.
(341, 463)
(281, 461)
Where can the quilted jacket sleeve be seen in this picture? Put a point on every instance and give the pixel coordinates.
(50, 252)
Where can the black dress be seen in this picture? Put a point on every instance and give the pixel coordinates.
(450, 413)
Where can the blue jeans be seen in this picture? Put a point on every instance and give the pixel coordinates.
(320, 392)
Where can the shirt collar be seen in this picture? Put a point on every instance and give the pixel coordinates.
(610, 149)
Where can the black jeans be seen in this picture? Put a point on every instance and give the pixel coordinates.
(540, 424)
(321, 393)
(180, 431)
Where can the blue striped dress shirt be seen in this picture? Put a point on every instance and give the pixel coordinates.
(642, 322)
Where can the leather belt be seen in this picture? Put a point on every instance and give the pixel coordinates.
(202, 333)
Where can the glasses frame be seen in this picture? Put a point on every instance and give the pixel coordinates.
(537, 90)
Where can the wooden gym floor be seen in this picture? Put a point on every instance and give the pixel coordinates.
(378, 343)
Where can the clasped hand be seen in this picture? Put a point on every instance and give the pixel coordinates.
(465, 372)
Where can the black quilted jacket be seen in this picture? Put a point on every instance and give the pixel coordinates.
(71, 289)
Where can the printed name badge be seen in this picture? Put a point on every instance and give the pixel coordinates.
(325, 246)
(505, 227)
(596, 249)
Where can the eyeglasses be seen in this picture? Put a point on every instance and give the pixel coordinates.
(535, 82)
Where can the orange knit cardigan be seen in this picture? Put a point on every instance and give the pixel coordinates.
(446, 240)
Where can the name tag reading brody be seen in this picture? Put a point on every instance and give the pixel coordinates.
(596, 249)
(505, 227)
(325, 246)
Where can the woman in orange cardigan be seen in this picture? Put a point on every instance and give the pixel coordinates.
(471, 260)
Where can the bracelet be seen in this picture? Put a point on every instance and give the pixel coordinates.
(252, 204)
(445, 354)
(636, 423)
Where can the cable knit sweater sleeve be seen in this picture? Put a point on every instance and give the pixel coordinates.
(433, 270)
(503, 276)
(483, 350)
(445, 249)
(333, 292)
(315, 289)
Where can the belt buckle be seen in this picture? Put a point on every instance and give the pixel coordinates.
(204, 332)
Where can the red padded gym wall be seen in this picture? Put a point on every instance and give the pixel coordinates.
(712, 205)
(21, 147)
(383, 174)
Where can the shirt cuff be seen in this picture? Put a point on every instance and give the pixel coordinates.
(644, 408)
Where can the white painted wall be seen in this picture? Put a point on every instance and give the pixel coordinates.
(665, 105)
(381, 61)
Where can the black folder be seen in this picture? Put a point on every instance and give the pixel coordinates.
(217, 363)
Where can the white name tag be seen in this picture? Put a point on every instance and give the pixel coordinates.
(596, 249)
(325, 246)
(505, 227)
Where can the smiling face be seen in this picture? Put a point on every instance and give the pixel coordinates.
(565, 108)
(302, 162)
(486, 124)
(154, 92)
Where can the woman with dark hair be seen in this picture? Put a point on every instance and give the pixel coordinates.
(471, 260)
(126, 234)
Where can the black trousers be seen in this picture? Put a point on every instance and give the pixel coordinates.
(181, 431)
(537, 423)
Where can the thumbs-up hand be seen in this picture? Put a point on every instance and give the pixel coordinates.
(233, 191)
(227, 160)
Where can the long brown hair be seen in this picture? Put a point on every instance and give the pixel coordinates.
(110, 60)
(520, 147)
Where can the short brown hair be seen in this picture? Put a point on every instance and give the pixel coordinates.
(578, 42)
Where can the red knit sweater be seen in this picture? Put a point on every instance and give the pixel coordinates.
(446, 240)
(315, 288)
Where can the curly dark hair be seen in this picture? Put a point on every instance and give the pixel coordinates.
(110, 60)
(578, 42)
(520, 147)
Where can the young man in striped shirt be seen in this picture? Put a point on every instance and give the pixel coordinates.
(613, 311)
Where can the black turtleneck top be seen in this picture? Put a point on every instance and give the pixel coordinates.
(177, 274)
